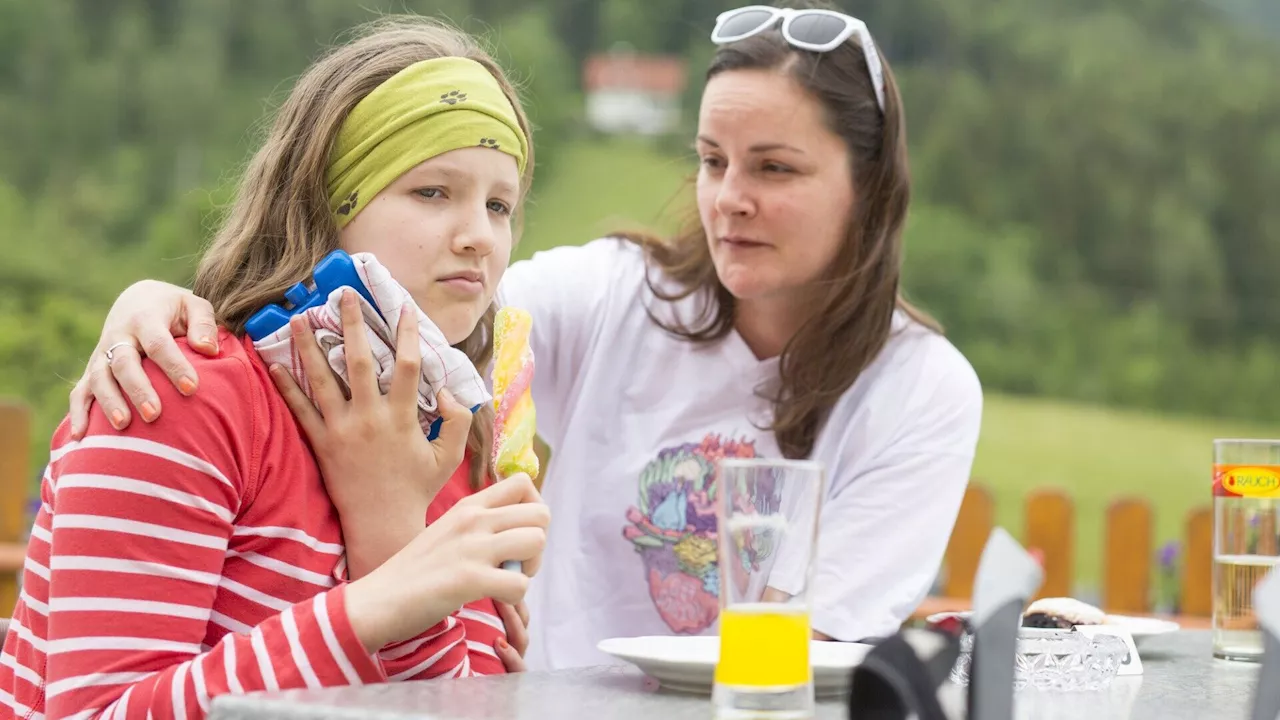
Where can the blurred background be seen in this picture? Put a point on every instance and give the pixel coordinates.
(1095, 215)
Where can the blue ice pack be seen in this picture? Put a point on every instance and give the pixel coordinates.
(336, 270)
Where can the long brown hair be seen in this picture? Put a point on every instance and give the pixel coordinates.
(856, 299)
(280, 224)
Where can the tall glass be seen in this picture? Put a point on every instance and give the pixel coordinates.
(767, 532)
(1246, 540)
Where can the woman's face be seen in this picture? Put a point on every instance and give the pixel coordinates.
(443, 231)
(774, 187)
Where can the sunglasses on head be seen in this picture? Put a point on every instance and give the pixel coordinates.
(813, 30)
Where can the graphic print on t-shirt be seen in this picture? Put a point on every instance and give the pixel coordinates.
(674, 530)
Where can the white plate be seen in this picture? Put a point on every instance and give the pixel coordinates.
(1141, 628)
(688, 664)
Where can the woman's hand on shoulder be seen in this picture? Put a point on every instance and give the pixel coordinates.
(144, 320)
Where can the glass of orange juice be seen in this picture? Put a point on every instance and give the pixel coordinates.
(767, 533)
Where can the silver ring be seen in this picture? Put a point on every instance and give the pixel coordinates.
(110, 353)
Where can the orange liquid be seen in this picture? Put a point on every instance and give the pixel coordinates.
(764, 645)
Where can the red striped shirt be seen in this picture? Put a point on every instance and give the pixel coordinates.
(200, 555)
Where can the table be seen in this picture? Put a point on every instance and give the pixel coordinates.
(1181, 680)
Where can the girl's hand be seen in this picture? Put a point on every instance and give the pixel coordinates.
(379, 468)
(455, 561)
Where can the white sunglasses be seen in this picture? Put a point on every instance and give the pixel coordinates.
(813, 30)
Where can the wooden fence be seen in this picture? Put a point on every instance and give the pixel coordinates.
(1128, 562)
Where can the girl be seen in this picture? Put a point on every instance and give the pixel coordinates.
(202, 553)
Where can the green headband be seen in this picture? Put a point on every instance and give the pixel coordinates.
(425, 110)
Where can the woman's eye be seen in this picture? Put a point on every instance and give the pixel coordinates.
(775, 167)
(712, 162)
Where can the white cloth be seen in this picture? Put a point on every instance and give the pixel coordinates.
(637, 418)
(442, 364)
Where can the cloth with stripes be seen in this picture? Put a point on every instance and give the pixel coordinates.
(200, 555)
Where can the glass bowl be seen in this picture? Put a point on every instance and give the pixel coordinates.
(1062, 660)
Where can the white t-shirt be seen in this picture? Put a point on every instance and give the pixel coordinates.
(630, 410)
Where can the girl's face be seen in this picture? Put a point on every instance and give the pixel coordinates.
(443, 231)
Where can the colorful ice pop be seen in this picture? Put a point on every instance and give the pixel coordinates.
(514, 422)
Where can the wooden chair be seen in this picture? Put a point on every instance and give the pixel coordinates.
(1197, 564)
(1050, 530)
(968, 538)
(1126, 560)
(15, 464)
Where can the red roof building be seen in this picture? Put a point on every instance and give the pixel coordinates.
(632, 93)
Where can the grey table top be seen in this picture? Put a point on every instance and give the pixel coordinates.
(1181, 680)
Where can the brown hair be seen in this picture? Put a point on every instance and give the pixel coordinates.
(856, 300)
(280, 224)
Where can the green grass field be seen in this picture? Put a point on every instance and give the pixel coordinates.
(1097, 454)
(588, 197)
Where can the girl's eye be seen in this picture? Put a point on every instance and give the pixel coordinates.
(430, 193)
(499, 207)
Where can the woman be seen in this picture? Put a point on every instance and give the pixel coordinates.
(772, 327)
(202, 553)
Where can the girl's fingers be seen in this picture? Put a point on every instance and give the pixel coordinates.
(324, 384)
(361, 373)
(405, 379)
(303, 409)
